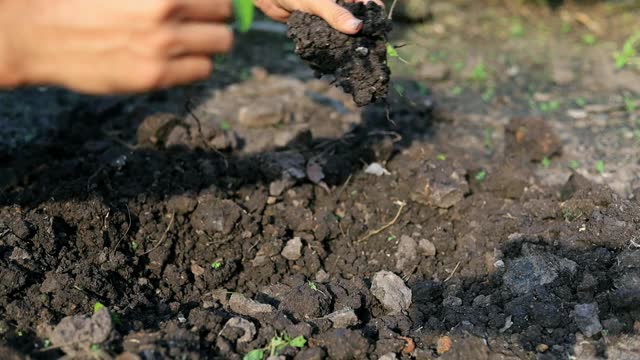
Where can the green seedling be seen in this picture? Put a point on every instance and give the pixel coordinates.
(517, 29)
(441, 157)
(629, 52)
(457, 91)
(276, 345)
(244, 13)
(631, 104)
(600, 166)
(546, 162)
(313, 286)
(488, 94)
(574, 164)
(99, 306)
(550, 106)
(392, 52)
(391, 238)
(134, 246)
(565, 28)
(481, 175)
(224, 125)
(479, 73)
(581, 102)
(216, 265)
(46, 343)
(589, 39)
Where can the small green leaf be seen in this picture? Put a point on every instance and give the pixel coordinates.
(298, 342)
(600, 166)
(244, 12)
(216, 265)
(546, 162)
(313, 286)
(391, 51)
(481, 175)
(441, 157)
(256, 354)
(574, 164)
(97, 307)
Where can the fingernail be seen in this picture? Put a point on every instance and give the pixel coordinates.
(355, 24)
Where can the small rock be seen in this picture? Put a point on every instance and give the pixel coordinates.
(406, 253)
(181, 204)
(443, 345)
(262, 114)
(482, 301)
(433, 72)
(214, 215)
(155, 128)
(391, 291)
(77, 333)
(542, 348)
(293, 250)
(376, 169)
(272, 200)
(322, 276)
(196, 269)
(427, 247)
(343, 319)
(243, 306)
(314, 353)
(531, 138)
(577, 113)
(276, 188)
(248, 328)
(586, 317)
(452, 301)
(526, 273)
(440, 185)
(389, 356)
(613, 326)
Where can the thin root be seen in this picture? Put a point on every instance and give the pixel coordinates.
(162, 238)
(453, 272)
(402, 204)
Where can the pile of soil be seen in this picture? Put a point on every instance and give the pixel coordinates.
(358, 62)
(199, 255)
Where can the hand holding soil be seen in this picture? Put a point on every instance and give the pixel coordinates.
(107, 47)
(331, 12)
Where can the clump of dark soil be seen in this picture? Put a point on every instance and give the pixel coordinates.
(358, 62)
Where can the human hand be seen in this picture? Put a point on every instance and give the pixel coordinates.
(114, 46)
(335, 15)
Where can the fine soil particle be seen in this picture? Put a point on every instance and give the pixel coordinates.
(358, 62)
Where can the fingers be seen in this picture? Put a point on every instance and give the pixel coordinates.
(201, 39)
(199, 10)
(271, 10)
(185, 70)
(335, 15)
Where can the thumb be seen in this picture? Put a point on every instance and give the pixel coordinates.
(335, 15)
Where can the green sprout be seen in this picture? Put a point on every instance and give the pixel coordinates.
(391, 238)
(392, 52)
(441, 157)
(224, 125)
(481, 175)
(565, 28)
(488, 94)
(114, 317)
(216, 265)
(517, 29)
(629, 51)
(457, 91)
(600, 166)
(574, 164)
(581, 102)
(276, 345)
(479, 73)
(589, 39)
(631, 104)
(245, 13)
(46, 343)
(488, 138)
(546, 162)
(97, 307)
(134, 246)
(313, 286)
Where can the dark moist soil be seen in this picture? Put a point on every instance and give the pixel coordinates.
(199, 254)
(357, 62)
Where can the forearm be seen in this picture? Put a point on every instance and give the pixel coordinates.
(11, 70)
